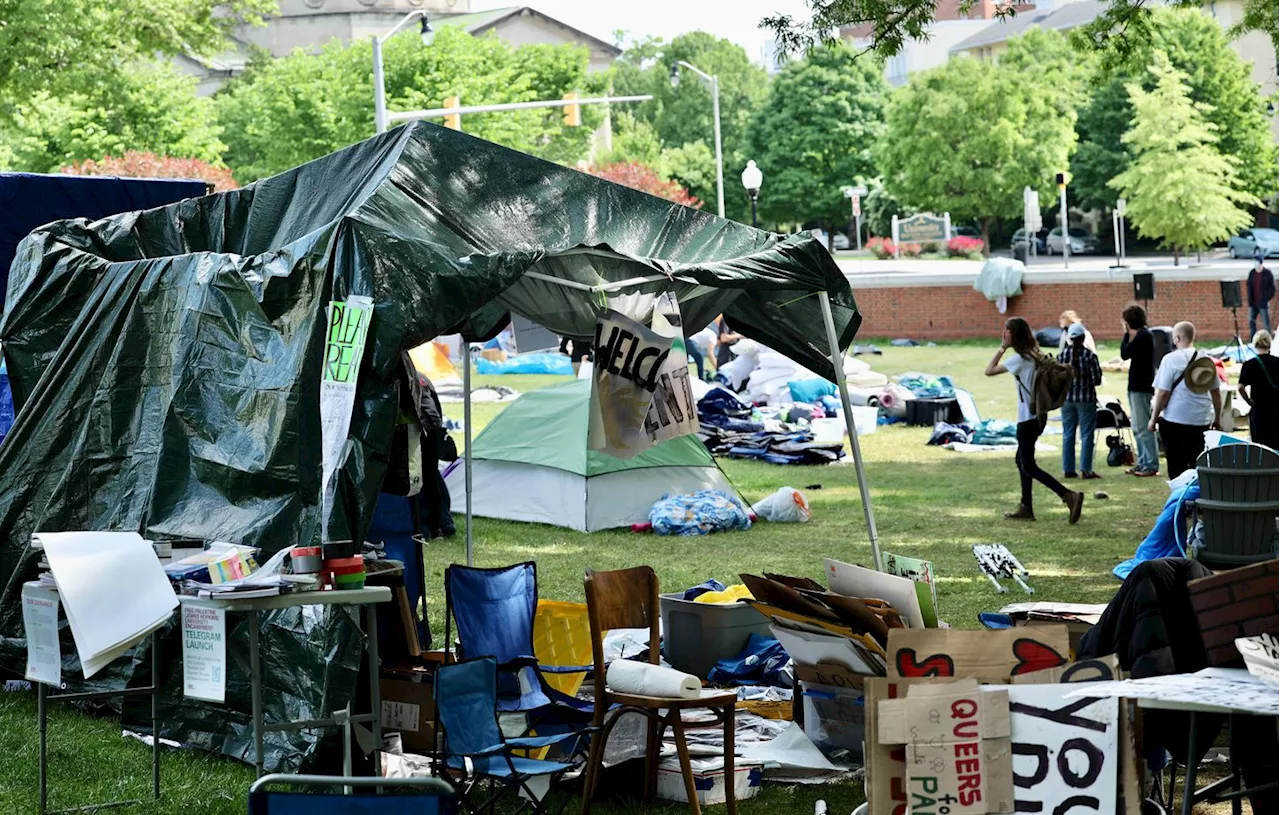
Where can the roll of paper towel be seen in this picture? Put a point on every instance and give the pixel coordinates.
(643, 679)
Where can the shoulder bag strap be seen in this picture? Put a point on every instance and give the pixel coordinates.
(1183, 375)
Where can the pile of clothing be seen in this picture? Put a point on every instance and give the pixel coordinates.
(928, 386)
(698, 513)
(764, 376)
(986, 433)
(731, 427)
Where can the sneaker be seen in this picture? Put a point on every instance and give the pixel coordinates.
(1071, 474)
(1022, 513)
(1146, 473)
(1132, 471)
(1075, 503)
(1089, 475)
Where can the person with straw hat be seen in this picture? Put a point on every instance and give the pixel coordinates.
(1258, 378)
(1187, 402)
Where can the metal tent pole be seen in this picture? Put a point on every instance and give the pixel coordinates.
(466, 433)
(837, 364)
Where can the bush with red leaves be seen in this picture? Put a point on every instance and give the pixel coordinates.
(641, 177)
(882, 248)
(963, 247)
(137, 164)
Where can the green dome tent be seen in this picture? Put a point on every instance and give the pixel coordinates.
(531, 463)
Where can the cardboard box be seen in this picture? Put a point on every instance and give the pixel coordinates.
(409, 708)
(956, 747)
(494, 354)
(709, 780)
(989, 656)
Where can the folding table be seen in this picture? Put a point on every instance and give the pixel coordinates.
(369, 597)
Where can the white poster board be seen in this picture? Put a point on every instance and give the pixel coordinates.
(1066, 752)
(204, 653)
(629, 359)
(673, 412)
(40, 621)
(344, 349)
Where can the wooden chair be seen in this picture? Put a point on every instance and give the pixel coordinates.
(628, 598)
(1238, 498)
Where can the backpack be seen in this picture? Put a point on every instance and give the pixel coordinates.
(1049, 385)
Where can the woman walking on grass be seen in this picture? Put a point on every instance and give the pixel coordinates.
(1027, 354)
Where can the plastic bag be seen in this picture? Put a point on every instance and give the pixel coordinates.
(786, 505)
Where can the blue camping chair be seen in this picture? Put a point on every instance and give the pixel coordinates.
(402, 796)
(494, 611)
(474, 748)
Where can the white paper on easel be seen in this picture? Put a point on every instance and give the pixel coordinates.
(857, 581)
(113, 589)
(40, 621)
(204, 653)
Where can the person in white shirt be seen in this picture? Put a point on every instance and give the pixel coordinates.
(1019, 337)
(1187, 402)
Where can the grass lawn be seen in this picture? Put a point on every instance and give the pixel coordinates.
(929, 503)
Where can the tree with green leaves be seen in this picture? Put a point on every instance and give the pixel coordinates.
(150, 106)
(1122, 28)
(284, 112)
(682, 116)
(813, 136)
(62, 47)
(1196, 45)
(969, 136)
(1181, 190)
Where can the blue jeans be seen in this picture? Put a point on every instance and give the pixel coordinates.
(1083, 415)
(1148, 452)
(1254, 312)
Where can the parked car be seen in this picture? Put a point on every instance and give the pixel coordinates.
(1249, 241)
(1020, 239)
(841, 239)
(1082, 243)
(966, 232)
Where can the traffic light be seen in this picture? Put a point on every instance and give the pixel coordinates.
(452, 121)
(572, 113)
(1061, 180)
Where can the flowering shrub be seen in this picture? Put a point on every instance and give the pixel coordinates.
(882, 248)
(963, 247)
(909, 250)
(138, 164)
(641, 177)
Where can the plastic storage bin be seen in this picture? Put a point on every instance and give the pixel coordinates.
(835, 721)
(928, 412)
(695, 636)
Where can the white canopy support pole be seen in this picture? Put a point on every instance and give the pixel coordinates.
(466, 434)
(837, 363)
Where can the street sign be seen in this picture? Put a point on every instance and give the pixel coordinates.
(1031, 210)
(857, 206)
(1120, 205)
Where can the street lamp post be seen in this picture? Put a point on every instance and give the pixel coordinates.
(752, 179)
(379, 83)
(714, 84)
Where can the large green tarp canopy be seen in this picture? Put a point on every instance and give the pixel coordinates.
(166, 364)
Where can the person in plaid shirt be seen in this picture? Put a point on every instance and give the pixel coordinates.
(1081, 408)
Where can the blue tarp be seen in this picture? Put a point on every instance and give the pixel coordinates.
(29, 200)
(1165, 538)
(6, 402)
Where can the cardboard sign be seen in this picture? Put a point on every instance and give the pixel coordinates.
(673, 411)
(1261, 656)
(984, 655)
(630, 358)
(1066, 752)
(40, 624)
(921, 573)
(204, 653)
(344, 349)
(956, 747)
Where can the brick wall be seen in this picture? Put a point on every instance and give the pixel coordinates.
(959, 312)
(1232, 604)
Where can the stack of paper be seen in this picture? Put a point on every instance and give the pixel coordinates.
(113, 588)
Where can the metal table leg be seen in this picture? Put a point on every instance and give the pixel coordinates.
(42, 714)
(255, 683)
(1189, 782)
(375, 693)
(155, 714)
